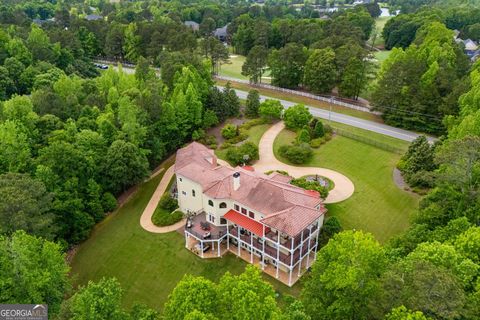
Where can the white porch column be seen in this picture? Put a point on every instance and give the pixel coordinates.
(290, 276)
(218, 248)
(251, 247)
(278, 252)
(291, 255)
(186, 239)
(201, 247)
(263, 248)
(301, 258)
(308, 252)
(238, 240)
(316, 244)
(228, 236)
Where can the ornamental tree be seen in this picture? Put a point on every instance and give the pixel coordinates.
(297, 117)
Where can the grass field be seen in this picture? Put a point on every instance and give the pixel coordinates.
(381, 56)
(379, 24)
(147, 265)
(378, 205)
(233, 68)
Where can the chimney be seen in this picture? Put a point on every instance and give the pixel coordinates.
(236, 181)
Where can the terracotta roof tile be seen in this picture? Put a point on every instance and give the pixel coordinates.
(286, 207)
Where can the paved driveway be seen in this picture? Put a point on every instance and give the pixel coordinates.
(343, 186)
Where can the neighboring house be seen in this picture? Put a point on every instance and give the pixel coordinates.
(261, 218)
(93, 17)
(192, 24)
(221, 33)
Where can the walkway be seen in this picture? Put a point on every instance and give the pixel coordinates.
(343, 189)
(146, 218)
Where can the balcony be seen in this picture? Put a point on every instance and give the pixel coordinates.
(204, 230)
(271, 252)
(287, 242)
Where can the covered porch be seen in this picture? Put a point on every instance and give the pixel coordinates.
(284, 274)
(204, 238)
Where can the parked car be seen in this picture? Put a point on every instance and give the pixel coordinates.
(101, 66)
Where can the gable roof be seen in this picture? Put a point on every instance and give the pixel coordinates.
(284, 206)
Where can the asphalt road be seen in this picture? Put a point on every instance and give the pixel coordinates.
(338, 117)
(348, 120)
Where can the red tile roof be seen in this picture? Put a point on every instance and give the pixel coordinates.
(245, 222)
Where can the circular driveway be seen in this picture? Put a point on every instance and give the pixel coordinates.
(343, 188)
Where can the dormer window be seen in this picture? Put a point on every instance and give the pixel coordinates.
(193, 193)
(210, 203)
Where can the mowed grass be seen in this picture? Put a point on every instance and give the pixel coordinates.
(377, 205)
(233, 68)
(147, 265)
(381, 56)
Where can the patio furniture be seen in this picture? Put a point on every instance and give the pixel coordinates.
(205, 225)
(207, 235)
(189, 223)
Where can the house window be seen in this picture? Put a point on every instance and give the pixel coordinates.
(251, 215)
(223, 221)
(180, 179)
(213, 219)
(184, 193)
(244, 211)
(237, 208)
(223, 205)
(193, 193)
(210, 203)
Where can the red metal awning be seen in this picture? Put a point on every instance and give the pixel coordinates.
(245, 222)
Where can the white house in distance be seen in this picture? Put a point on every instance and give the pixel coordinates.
(261, 218)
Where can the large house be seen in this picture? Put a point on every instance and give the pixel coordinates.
(261, 218)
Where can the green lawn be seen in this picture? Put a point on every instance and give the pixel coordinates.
(379, 25)
(147, 265)
(381, 56)
(378, 205)
(234, 67)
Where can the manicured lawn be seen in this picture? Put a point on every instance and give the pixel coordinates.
(147, 265)
(234, 67)
(378, 205)
(381, 56)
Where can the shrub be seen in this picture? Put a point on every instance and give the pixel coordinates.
(282, 172)
(226, 145)
(310, 185)
(328, 129)
(229, 131)
(252, 123)
(330, 228)
(163, 218)
(270, 109)
(241, 136)
(198, 134)
(297, 154)
(319, 130)
(243, 154)
(303, 136)
(316, 143)
(109, 203)
(168, 203)
(297, 117)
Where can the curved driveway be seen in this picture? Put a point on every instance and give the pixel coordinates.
(146, 218)
(343, 188)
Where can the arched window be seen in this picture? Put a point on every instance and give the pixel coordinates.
(223, 205)
(210, 203)
(223, 221)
